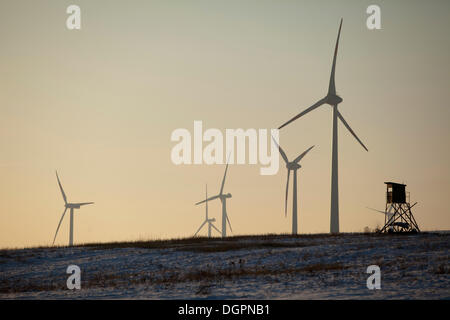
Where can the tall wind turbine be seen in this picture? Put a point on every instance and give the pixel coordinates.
(223, 198)
(70, 206)
(207, 220)
(333, 100)
(292, 166)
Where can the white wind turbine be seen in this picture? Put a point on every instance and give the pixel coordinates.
(333, 100)
(387, 214)
(70, 206)
(207, 220)
(292, 166)
(223, 198)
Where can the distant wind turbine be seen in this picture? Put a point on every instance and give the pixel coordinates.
(70, 206)
(333, 100)
(223, 198)
(388, 214)
(207, 220)
(292, 166)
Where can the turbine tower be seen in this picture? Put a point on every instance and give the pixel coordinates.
(292, 166)
(70, 206)
(207, 220)
(223, 198)
(333, 100)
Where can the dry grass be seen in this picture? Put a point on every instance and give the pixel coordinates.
(203, 290)
(192, 243)
(222, 247)
(442, 269)
(168, 243)
(170, 278)
(8, 286)
(209, 275)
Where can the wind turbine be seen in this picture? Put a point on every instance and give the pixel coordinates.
(292, 166)
(70, 206)
(223, 198)
(207, 220)
(388, 214)
(333, 100)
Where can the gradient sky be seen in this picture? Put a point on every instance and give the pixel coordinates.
(99, 105)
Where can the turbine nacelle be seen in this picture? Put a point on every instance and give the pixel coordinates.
(293, 166)
(226, 195)
(333, 99)
(76, 205)
(72, 206)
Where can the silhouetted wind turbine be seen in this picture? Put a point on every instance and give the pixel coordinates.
(223, 198)
(333, 100)
(292, 166)
(207, 220)
(70, 206)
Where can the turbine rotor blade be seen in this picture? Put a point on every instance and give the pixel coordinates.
(59, 224)
(212, 225)
(229, 223)
(61, 188)
(200, 227)
(383, 212)
(300, 157)
(388, 213)
(283, 154)
(314, 106)
(287, 192)
(209, 199)
(350, 129)
(206, 202)
(83, 203)
(332, 86)
(224, 177)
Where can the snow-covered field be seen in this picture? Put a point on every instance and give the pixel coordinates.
(253, 267)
